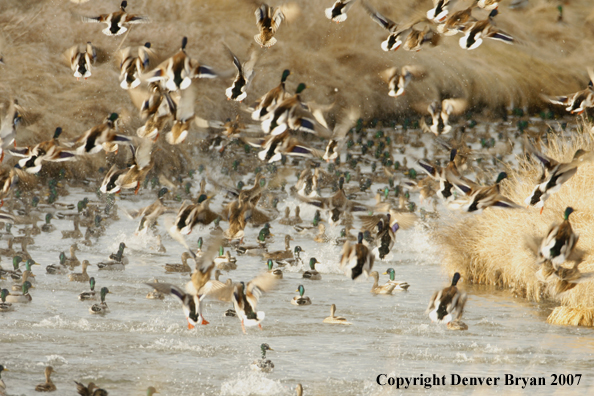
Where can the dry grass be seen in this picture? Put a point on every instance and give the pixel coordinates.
(490, 248)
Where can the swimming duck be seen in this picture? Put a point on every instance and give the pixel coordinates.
(299, 390)
(26, 277)
(119, 255)
(225, 262)
(101, 308)
(400, 285)
(5, 306)
(277, 273)
(269, 101)
(48, 227)
(479, 197)
(300, 300)
(245, 299)
(9, 251)
(90, 390)
(286, 220)
(15, 273)
(151, 390)
(116, 20)
(254, 250)
(447, 305)
(387, 288)
(80, 277)
(184, 267)
(25, 297)
(296, 260)
(475, 31)
(74, 234)
(297, 218)
(245, 73)
(155, 294)
(71, 261)
(332, 319)
(2, 383)
(48, 385)
(178, 71)
(559, 243)
(558, 173)
(338, 12)
(281, 254)
(264, 365)
(356, 259)
(89, 295)
(81, 60)
(268, 20)
(312, 274)
(131, 67)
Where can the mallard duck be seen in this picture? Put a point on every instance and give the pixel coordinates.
(356, 259)
(488, 4)
(34, 156)
(81, 60)
(26, 277)
(447, 305)
(2, 384)
(89, 295)
(479, 197)
(286, 220)
(399, 78)
(222, 291)
(90, 390)
(295, 260)
(48, 385)
(441, 111)
(71, 261)
(48, 227)
(558, 173)
(299, 390)
(439, 12)
(155, 294)
(440, 175)
(335, 319)
(119, 255)
(394, 40)
(400, 285)
(559, 243)
(184, 267)
(5, 306)
(300, 300)
(268, 20)
(151, 390)
(178, 71)
(131, 178)
(312, 274)
(101, 137)
(25, 297)
(264, 365)
(74, 234)
(475, 31)
(277, 273)
(190, 215)
(245, 299)
(268, 102)
(254, 250)
(9, 251)
(577, 103)
(101, 308)
(131, 67)
(388, 288)
(116, 20)
(456, 22)
(82, 276)
(225, 262)
(24, 253)
(15, 273)
(338, 12)
(16, 276)
(8, 131)
(297, 218)
(245, 73)
(281, 254)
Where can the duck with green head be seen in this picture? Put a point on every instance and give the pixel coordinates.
(264, 365)
(312, 274)
(400, 285)
(268, 102)
(16, 273)
(477, 197)
(119, 256)
(300, 300)
(447, 305)
(89, 295)
(277, 273)
(25, 297)
(225, 262)
(2, 383)
(58, 269)
(296, 260)
(48, 226)
(5, 306)
(559, 243)
(102, 307)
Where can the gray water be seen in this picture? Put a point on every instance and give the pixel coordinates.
(143, 342)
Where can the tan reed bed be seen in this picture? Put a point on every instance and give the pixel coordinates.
(490, 248)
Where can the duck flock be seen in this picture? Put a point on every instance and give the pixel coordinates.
(292, 141)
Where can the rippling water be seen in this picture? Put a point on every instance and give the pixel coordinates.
(143, 342)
